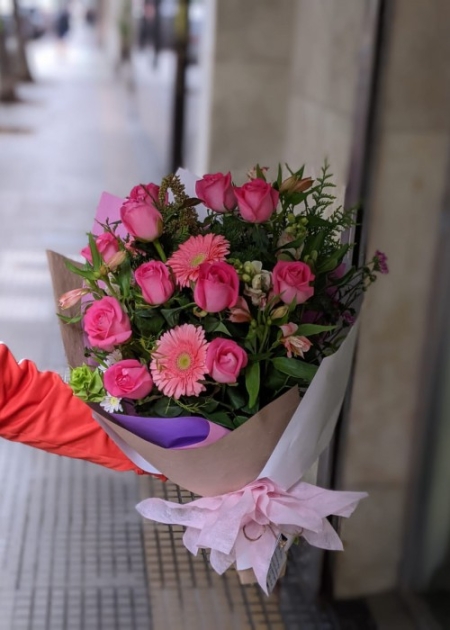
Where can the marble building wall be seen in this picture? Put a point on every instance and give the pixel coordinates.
(283, 81)
(406, 199)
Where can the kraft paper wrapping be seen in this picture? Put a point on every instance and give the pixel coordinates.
(64, 280)
(227, 465)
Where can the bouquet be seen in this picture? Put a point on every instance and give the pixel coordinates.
(208, 312)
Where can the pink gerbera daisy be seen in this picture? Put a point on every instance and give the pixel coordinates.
(179, 361)
(186, 261)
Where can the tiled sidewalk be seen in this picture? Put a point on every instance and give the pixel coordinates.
(71, 544)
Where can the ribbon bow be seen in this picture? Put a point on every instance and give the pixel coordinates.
(243, 527)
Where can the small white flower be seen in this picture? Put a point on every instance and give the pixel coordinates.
(113, 358)
(111, 404)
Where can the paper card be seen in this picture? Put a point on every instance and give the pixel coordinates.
(278, 563)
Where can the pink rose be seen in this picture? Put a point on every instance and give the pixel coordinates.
(217, 287)
(139, 213)
(256, 200)
(216, 192)
(106, 324)
(295, 345)
(107, 246)
(145, 192)
(291, 280)
(155, 281)
(128, 379)
(224, 360)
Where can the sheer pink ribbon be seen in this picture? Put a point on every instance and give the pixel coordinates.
(246, 524)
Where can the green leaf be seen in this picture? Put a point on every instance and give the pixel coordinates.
(312, 329)
(240, 420)
(299, 173)
(343, 280)
(252, 382)
(96, 257)
(124, 278)
(171, 315)
(209, 323)
(316, 243)
(295, 368)
(223, 329)
(314, 221)
(210, 406)
(236, 398)
(80, 271)
(147, 313)
(296, 198)
(166, 408)
(212, 324)
(70, 320)
(260, 173)
(150, 325)
(333, 261)
(279, 177)
(221, 417)
(275, 380)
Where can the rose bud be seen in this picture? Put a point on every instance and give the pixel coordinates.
(217, 287)
(141, 219)
(128, 379)
(224, 360)
(107, 246)
(256, 200)
(155, 282)
(146, 192)
(216, 191)
(291, 281)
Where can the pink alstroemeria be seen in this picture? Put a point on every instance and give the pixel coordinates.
(240, 313)
(71, 298)
(295, 345)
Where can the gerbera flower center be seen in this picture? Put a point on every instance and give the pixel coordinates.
(198, 259)
(183, 361)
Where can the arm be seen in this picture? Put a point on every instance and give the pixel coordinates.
(39, 409)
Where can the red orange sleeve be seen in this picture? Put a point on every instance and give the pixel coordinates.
(39, 409)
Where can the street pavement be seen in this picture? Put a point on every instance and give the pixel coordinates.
(71, 545)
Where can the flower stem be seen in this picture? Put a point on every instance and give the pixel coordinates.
(160, 250)
(107, 281)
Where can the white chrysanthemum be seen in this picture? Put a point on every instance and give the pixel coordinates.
(111, 404)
